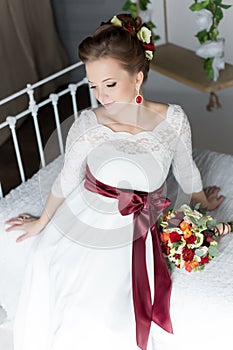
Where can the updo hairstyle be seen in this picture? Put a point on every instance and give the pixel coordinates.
(118, 42)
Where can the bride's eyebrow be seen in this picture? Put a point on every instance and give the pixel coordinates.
(103, 81)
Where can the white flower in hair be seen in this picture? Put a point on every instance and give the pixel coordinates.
(144, 35)
(149, 54)
(115, 20)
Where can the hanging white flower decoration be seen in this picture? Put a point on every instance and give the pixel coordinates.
(210, 49)
(204, 19)
(213, 49)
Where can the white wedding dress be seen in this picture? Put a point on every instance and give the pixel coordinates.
(77, 290)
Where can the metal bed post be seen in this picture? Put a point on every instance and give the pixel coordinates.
(54, 99)
(33, 108)
(1, 192)
(34, 111)
(12, 122)
(73, 89)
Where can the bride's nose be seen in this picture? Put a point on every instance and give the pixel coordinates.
(102, 95)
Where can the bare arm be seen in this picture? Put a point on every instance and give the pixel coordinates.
(32, 225)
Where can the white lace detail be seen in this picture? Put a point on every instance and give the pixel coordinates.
(183, 166)
(142, 145)
(84, 135)
(170, 143)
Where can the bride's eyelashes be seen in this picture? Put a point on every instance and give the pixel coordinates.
(112, 84)
(108, 85)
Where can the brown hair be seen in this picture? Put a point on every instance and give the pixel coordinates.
(118, 42)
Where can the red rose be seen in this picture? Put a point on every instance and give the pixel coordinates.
(191, 239)
(149, 47)
(205, 259)
(130, 28)
(177, 256)
(174, 236)
(188, 254)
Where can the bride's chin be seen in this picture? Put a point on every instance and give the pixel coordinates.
(113, 108)
(117, 107)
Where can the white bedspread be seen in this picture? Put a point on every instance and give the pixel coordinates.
(201, 304)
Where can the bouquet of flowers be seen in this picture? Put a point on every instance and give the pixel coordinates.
(189, 238)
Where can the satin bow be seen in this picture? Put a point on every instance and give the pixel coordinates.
(146, 207)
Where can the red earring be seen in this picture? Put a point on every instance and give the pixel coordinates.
(138, 97)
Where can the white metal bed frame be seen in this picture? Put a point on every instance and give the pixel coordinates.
(33, 108)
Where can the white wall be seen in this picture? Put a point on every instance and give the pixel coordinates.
(214, 130)
(76, 19)
(182, 27)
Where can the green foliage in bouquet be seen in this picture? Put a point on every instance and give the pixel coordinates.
(216, 8)
(133, 8)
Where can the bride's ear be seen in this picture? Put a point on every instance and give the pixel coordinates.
(139, 78)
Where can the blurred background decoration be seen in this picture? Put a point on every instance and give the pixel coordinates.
(30, 50)
(209, 14)
(142, 8)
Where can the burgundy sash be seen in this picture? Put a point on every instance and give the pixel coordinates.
(146, 207)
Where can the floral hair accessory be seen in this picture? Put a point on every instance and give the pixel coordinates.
(189, 238)
(116, 21)
(144, 35)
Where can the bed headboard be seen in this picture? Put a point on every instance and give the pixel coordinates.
(33, 107)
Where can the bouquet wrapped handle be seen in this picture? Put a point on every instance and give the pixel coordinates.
(223, 228)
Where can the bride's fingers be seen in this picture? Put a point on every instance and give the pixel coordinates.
(22, 237)
(216, 194)
(24, 216)
(13, 220)
(215, 189)
(208, 190)
(15, 227)
(220, 199)
(212, 191)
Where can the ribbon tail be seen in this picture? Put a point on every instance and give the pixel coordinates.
(162, 286)
(141, 289)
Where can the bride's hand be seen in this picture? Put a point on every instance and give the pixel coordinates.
(25, 222)
(214, 201)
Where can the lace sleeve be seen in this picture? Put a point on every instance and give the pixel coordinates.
(184, 168)
(78, 145)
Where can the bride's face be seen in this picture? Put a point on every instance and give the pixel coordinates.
(111, 83)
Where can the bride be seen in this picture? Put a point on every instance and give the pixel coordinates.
(96, 278)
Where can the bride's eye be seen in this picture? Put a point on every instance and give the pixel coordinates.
(111, 85)
(92, 86)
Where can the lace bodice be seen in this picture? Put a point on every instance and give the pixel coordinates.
(121, 159)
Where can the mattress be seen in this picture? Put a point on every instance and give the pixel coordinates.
(201, 302)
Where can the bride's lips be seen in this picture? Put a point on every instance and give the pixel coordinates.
(108, 104)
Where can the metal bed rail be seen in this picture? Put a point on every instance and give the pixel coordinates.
(33, 108)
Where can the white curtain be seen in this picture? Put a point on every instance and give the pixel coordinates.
(30, 49)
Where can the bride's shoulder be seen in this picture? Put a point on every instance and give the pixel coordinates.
(84, 121)
(167, 110)
(160, 109)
